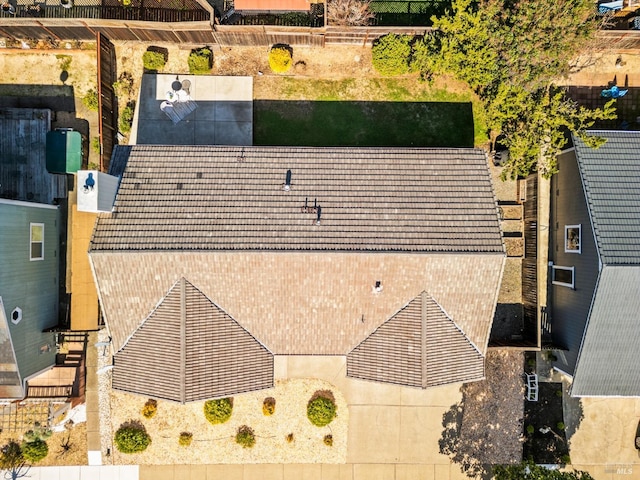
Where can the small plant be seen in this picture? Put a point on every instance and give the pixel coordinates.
(200, 61)
(245, 437)
(185, 439)
(65, 447)
(95, 144)
(37, 433)
(35, 451)
(126, 117)
(532, 362)
(280, 58)
(560, 426)
(321, 409)
(90, 100)
(132, 438)
(269, 406)
(150, 408)
(566, 459)
(530, 429)
(153, 60)
(328, 440)
(65, 62)
(391, 54)
(218, 411)
(559, 393)
(124, 85)
(289, 437)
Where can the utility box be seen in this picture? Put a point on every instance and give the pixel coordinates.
(96, 191)
(64, 151)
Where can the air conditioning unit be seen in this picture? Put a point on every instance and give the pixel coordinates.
(96, 191)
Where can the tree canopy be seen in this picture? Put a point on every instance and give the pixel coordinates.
(510, 52)
(531, 471)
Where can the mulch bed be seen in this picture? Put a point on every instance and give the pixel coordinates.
(550, 447)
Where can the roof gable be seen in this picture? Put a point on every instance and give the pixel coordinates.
(611, 180)
(419, 346)
(368, 199)
(189, 349)
(608, 361)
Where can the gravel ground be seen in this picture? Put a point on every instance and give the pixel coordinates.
(216, 444)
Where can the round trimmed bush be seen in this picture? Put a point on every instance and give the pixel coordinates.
(185, 439)
(391, 54)
(132, 438)
(245, 437)
(269, 406)
(321, 409)
(35, 451)
(150, 409)
(153, 60)
(200, 61)
(218, 411)
(280, 59)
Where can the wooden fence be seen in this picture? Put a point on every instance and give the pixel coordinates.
(530, 260)
(107, 101)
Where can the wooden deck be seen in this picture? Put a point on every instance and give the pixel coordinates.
(23, 172)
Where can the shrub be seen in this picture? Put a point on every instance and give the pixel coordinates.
(391, 54)
(90, 100)
(280, 58)
(153, 60)
(560, 426)
(11, 455)
(566, 459)
(328, 440)
(200, 61)
(185, 439)
(38, 433)
(132, 438)
(269, 406)
(95, 144)
(321, 409)
(126, 120)
(559, 393)
(150, 408)
(530, 429)
(218, 411)
(245, 437)
(289, 437)
(35, 451)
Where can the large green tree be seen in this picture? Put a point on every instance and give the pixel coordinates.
(510, 52)
(531, 471)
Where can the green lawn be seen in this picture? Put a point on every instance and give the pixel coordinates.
(397, 112)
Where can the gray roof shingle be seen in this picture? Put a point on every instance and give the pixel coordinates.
(232, 198)
(419, 346)
(188, 349)
(611, 180)
(608, 360)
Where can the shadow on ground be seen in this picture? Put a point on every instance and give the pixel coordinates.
(363, 124)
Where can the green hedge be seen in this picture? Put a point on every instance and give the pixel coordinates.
(391, 54)
(153, 60)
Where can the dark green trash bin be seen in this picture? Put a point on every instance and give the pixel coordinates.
(64, 151)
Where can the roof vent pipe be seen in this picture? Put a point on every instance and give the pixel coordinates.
(319, 213)
(287, 182)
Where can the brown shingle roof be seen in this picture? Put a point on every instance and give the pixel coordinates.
(372, 199)
(189, 349)
(419, 346)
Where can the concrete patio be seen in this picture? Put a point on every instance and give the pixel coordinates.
(223, 113)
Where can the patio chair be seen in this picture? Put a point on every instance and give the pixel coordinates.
(532, 387)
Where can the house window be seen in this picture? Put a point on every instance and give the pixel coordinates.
(572, 239)
(562, 276)
(37, 241)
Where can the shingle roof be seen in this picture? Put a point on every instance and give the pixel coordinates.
(189, 349)
(608, 360)
(232, 198)
(419, 346)
(611, 180)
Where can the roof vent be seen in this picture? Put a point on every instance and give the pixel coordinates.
(199, 175)
(287, 182)
(319, 210)
(377, 288)
(179, 186)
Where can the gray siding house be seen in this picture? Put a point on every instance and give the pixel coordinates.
(594, 270)
(28, 292)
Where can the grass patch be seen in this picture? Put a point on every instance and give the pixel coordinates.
(391, 112)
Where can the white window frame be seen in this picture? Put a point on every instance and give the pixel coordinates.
(32, 242)
(570, 269)
(566, 232)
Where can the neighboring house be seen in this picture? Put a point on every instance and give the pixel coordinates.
(28, 292)
(216, 259)
(595, 265)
